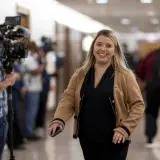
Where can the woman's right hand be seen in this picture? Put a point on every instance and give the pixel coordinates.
(52, 128)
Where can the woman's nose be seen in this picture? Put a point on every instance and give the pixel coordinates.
(103, 48)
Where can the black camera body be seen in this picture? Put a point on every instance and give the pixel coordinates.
(14, 41)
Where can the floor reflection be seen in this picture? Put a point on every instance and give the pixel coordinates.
(63, 147)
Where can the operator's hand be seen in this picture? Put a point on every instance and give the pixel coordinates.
(53, 127)
(11, 78)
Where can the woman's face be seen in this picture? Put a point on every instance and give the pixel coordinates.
(103, 49)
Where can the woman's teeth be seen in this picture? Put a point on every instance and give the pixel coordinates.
(102, 54)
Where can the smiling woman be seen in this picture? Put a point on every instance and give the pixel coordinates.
(106, 100)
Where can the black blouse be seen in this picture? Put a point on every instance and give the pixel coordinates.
(97, 119)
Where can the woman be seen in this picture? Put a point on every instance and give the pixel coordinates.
(106, 100)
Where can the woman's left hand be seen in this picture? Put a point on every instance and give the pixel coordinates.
(118, 138)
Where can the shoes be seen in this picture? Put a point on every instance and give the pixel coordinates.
(33, 138)
(20, 147)
(40, 132)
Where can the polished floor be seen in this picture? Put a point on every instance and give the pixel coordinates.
(63, 147)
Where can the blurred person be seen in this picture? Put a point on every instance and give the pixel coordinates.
(128, 56)
(46, 78)
(106, 100)
(33, 84)
(5, 81)
(40, 119)
(148, 73)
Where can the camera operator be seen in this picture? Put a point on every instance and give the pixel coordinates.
(5, 81)
(14, 40)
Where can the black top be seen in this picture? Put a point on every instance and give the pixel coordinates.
(97, 118)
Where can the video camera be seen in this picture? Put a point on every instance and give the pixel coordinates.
(14, 40)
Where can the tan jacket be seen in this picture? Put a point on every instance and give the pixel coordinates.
(129, 105)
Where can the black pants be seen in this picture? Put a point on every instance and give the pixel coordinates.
(101, 151)
(40, 119)
(17, 133)
(152, 111)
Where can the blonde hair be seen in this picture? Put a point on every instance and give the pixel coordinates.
(119, 61)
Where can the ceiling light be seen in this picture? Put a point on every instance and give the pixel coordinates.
(146, 1)
(125, 21)
(151, 13)
(101, 1)
(154, 21)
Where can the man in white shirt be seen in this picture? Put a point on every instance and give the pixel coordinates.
(33, 84)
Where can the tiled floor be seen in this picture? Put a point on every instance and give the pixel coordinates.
(63, 147)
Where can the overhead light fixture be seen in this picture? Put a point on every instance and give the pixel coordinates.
(101, 1)
(154, 21)
(146, 1)
(151, 13)
(125, 21)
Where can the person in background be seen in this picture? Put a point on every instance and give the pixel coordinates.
(149, 81)
(129, 57)
(106, 100)
(40, 119)
(33, 83)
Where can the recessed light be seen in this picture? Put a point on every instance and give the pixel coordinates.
(125, 21)
(151, 13)
(101, 1)
(146, 1)
(154, 21)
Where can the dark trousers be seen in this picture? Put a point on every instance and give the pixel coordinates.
(3, 134)
(102, 151)
(152, 111)
(40, 119)
(17, 132)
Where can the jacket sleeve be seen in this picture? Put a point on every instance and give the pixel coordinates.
(66, 106)
(135, 106)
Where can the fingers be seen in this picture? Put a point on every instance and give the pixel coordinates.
(53, 128)
(61, 127)
(11, 81)
(118, 138)
(123, 140)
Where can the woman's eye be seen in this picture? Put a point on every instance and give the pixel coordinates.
(99, 44)
(109, 46)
